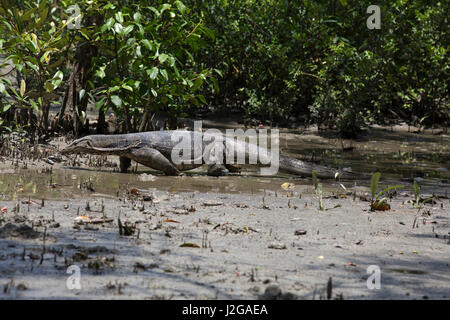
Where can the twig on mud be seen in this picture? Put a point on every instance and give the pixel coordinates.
(8, 286)
(120, 226)
(43, 245)
(329, 289)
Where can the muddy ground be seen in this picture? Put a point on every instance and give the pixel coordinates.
(146, 236)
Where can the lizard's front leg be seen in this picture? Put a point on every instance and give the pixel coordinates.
(125, 163)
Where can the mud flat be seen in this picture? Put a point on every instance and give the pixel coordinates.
(217, 245)
(148, 236)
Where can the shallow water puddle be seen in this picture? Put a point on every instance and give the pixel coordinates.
(71, 183)
(76, 183)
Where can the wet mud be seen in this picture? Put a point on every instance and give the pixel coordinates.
(143, 235)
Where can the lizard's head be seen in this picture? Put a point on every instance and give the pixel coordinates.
(77, 146)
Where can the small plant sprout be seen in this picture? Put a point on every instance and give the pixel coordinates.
(319, 195)
(314, 179)
(318, 189)
(337, 177)
(416, 194)
(417, 199)
(377, 199)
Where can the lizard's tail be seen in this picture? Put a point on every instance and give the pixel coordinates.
(298, 167)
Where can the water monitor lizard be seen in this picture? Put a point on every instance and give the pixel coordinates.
(155, 149)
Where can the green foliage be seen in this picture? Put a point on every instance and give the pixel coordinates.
(315, 179)
(147, 58)
(416, 194)
(376, 197)
(374, 184)
(284, 59)
(417, 199)
(33, 45)
(273, 60)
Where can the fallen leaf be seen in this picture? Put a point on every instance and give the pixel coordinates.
(82, 219)
(4, 209)
(31, 202)
(189, 245)
(381, 207)
(351, 264)
(134, 191)
(171, 220)
(212, 204)
(288, 186)
(300, 232)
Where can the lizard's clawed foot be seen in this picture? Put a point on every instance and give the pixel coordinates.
(216, 170)
(233, 168)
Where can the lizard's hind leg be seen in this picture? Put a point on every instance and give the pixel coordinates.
(154, 159)
(233, 168)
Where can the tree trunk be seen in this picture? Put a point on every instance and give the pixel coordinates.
(80, 74)
(101, 123)
(145, 118)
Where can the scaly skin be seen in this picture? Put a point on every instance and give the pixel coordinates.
(154, 149)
